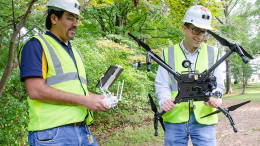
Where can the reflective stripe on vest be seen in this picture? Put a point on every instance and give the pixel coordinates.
(60, 77)
(63, 75)
(174, 56)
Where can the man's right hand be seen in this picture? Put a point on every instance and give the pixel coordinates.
(95, 103)
(168, 105)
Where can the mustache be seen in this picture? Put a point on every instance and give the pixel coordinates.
(73, 27)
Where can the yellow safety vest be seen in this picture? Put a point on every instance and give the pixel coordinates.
(174, 57)
(63, 75)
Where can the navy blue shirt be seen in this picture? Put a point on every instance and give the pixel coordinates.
(33, 60)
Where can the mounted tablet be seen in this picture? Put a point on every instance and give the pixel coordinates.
(108, 79)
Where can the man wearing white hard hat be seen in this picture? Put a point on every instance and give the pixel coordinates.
(53, 71)
(184, 120)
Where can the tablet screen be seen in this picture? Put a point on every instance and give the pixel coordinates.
(110, 76)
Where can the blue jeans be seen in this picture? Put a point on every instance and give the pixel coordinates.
(64, 135)
(178, 134)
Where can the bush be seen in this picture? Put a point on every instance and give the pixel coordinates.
(137, 83)
(13, 111)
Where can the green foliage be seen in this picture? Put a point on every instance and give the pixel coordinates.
(13, 111)
(14, 87)
(7, 25)
(179, 7)
(98, 57)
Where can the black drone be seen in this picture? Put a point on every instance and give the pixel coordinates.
(200, 85)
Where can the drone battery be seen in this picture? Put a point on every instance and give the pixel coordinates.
(110, 77)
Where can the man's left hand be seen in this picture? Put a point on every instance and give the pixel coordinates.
(213, 102)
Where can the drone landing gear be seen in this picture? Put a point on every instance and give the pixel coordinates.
(225, 111)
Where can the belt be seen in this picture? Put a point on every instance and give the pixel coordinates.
(77, 124)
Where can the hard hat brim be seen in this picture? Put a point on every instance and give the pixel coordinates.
(200, 26)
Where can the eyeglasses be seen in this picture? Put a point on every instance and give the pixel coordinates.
(197, 31)
(73, 19)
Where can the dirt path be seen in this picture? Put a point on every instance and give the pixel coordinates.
(247, 120)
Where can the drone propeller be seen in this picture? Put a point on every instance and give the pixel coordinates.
(246, 54)
(148, 58)
(231, 108)
(153, 106)
(156, 117)
(140, 43)
(221, 40)
(241, 52)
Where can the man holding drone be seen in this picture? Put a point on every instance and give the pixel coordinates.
(184, 119)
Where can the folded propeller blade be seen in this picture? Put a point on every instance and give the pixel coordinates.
(144, 45)
(234, 107)
(161, 121)
(245, 53)
(153, 106)
(241, 52)
(221, 40)
(211, 114)
(231, 108)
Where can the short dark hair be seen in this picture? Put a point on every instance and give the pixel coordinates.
(48, 23)
(187, 24)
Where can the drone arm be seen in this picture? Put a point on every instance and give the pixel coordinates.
(207, 73)
(150, 55)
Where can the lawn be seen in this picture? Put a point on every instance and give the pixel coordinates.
(252, 92)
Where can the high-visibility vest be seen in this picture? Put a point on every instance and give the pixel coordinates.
(63, 75)
(174, 56)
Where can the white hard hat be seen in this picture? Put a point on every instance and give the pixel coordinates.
(199, 16)
(72, 6)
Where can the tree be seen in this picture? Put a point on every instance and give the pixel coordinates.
(18, 21)
(235, 29)
(225, 24)
(241, 72)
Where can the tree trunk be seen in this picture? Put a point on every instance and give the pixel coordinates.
(228, 77)
(244, 85)
(9, 65)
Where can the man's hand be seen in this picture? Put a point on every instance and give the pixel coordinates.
(168, 105)
(95, 103)
(213, 102)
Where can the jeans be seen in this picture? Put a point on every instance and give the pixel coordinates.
(64, 135)
(178, 134)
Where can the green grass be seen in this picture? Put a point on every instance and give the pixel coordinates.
(143, 136)
(252, 92)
